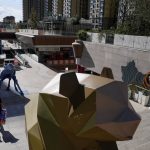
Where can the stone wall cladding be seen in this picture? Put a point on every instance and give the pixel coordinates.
(140, 42)
(96, 56)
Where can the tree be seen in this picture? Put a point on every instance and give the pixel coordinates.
(33, 21)
(142, 16)
(124, 7)
(134, 17)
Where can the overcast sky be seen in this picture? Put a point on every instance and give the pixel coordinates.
(11, 8)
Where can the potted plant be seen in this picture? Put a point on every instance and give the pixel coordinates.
(130, 92)
(140, 94)
(136, 95)
(134, 92)
(82, 35)
(145, 98)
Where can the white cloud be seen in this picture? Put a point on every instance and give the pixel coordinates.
(10, 11)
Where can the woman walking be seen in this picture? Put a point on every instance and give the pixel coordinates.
(2, 114)
(2, 117)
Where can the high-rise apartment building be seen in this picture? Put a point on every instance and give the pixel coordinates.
(48, 6)
(67, 8)
(26, 9)
(103, 13)
(46, 12)
(41, 7)
(54, 7)
(96, 12)
(76, 8)
(57, 8)
(80, 8)
(125, 9)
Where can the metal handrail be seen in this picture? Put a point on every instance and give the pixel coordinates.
(23, 59)
(140, 87)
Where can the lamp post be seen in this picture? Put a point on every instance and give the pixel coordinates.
(77, 50)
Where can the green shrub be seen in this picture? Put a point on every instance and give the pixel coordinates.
(82, 35)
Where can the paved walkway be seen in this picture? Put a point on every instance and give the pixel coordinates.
(31, 80)
(141, 139)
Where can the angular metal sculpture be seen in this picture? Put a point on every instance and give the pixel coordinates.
(80, 113)
(70, 88)
(107, 73)
(9, 72)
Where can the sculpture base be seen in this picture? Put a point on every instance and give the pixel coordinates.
(108, 146)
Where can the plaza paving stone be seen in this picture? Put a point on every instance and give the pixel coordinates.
(31, 80)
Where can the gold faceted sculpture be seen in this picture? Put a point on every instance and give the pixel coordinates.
(80, 112)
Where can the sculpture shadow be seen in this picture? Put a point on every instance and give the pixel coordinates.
(7, 136)
(13, 102)
(86, 59)
(131, 74)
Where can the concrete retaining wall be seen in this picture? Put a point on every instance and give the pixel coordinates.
(96, 38)
(96, 56)
(39, 32)
(29, 31)
(140, 42)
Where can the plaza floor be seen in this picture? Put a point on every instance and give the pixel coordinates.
(32, 80)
